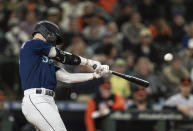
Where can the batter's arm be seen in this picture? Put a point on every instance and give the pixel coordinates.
(71, 59)
(66, 77)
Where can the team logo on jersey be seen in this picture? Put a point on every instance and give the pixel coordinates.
(45, 59)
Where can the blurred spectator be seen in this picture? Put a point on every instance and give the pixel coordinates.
(182, 102)
(42, 7)
(178, 27)
(3, 45)
(186, 56)
(95, 30)
(70, 30)
(145, 69)
(178, 5)
(141, 103)
(161, 30)
(23, 7)
(106, 17)
(172, 74)
(84, 19)
(188, 35)
(28, 24)
(72, 8)
(5, 118)
(73, 26)
(100, 106)
(106, 53)
(107, 4)
(54, 15)
(4, 15)
(131, 31)
(119, 85)
(15, 37)
(108, 40)
(122, 12)
(130, 61)
(112, 28)
(90, 9)
(146, 47)
(148, 10)
(140, 100)
(78, 47)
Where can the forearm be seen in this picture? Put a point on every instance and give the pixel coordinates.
(68, 58)
(67, 77)
(64, 57)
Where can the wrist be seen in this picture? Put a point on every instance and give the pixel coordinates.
(85, 62)
(95, 75)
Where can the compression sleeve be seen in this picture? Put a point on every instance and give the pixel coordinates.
(66, 58)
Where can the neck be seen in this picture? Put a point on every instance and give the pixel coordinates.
(39, 36)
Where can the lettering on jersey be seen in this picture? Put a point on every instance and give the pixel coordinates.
(45, 59)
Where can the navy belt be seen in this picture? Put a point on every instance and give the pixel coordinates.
(47, 92)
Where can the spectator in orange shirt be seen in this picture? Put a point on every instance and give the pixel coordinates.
(161, 30)
(101, 105)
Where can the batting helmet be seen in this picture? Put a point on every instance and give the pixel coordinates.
(49, 31)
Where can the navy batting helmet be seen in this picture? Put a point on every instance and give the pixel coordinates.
(49, 31)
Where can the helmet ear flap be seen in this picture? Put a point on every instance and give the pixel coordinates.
(51, 39)
(59, 39)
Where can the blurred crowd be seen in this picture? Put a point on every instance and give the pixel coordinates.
(132, 36)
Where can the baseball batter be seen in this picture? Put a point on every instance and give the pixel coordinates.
(39, 76)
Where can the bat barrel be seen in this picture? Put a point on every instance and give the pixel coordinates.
(139, 81)
(133, 79)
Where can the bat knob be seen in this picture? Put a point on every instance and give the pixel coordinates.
(94, 66)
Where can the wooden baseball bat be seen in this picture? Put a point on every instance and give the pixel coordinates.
(133, 79)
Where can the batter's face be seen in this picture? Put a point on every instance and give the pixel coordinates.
(39, 36)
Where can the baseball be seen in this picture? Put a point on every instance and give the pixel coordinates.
(168, 57)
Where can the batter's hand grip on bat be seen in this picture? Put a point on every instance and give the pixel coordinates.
(94, 66)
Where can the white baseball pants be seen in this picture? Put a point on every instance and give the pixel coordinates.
(41, 111)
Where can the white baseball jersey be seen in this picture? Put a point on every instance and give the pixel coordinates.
(178, 99)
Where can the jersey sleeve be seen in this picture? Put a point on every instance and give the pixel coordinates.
(40, 47)
(56, 68)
